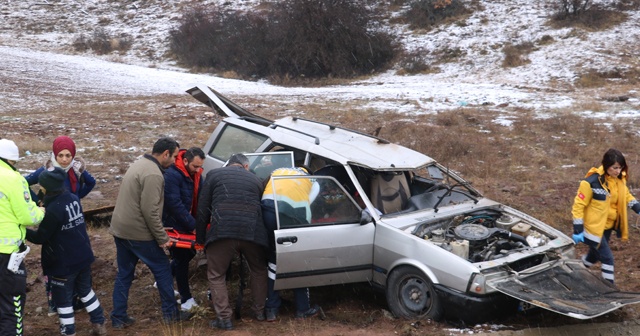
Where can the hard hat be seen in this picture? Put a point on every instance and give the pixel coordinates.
(9, 150)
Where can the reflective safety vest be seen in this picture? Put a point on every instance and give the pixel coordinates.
(17, 210)
(296, 192)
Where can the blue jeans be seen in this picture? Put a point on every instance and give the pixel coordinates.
(128, 254)
(63, 289)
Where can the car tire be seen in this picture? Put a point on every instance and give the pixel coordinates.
(410, 294)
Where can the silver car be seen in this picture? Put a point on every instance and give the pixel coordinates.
(395, 218)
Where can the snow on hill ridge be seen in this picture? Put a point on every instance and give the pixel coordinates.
(476, 78)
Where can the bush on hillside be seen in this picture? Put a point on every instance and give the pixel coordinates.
(516, 55)
(428, 13)
(573, 7)
(102, 43)
(584, 14)
(293, 39)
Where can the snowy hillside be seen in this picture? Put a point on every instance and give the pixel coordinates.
(34, 33)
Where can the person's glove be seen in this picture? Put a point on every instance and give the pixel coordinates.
(78, 165)
(578, 237)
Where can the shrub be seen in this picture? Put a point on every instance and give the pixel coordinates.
(292, 39)
(414, 63)
(516, 55)
(428, 13)
(573, 7)
(581, 13)
(599, 78)
(102, 43)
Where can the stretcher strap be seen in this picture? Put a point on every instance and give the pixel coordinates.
(183, 240)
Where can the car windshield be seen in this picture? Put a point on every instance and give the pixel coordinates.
(429, 187)
(435, 186)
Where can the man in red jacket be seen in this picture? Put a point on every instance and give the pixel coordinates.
(181, 187)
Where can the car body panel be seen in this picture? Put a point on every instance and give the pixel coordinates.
(566, 287)
(419, 220)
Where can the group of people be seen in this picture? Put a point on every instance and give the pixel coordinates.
(231, 211)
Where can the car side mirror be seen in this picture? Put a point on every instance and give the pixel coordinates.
(365, 217)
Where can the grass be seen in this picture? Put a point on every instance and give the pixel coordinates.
(534, 165)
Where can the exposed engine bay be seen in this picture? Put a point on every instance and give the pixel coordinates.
(482, 235)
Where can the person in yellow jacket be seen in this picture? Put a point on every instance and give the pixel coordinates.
(294, 198)
(600, 207)
(17, 210)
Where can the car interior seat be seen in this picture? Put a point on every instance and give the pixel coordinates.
(390, 191)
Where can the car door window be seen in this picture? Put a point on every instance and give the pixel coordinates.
(236, 140)
(313, 201)
(263, 164)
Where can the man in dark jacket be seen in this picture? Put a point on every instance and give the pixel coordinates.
(181, 186)
(236, 227)
(66, 252)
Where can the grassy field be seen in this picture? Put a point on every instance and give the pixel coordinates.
(533, 164)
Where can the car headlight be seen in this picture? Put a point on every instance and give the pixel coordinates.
(477, 285)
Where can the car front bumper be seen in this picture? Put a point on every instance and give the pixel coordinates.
(469, 309)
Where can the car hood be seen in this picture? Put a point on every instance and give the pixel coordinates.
(566, 287)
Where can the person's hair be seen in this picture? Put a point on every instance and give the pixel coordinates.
(163, 144)
(192, 152)
(238, 158)
(613, 156)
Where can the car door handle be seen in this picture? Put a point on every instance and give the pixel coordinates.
(290, 239)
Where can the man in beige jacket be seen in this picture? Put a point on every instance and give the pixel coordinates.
(137, 229)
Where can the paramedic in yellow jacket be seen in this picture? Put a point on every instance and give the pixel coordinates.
(17, 210)
(294, 198)
(600, 207)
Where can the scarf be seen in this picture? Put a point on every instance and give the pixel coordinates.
(73, 179)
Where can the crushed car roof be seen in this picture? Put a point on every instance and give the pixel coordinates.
(336, 143)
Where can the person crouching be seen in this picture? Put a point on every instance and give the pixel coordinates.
(66, 252)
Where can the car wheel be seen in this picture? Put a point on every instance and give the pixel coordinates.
(410, 294)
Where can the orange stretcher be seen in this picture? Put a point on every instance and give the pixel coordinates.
(183, 240)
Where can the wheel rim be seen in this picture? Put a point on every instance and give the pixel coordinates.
(415, 295)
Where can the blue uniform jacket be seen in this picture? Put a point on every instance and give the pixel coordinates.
(66, 248)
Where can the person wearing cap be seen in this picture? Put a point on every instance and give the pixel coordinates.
(136, 226)
(66, 254)
(182, 184)
(17, 210)
(77, 180)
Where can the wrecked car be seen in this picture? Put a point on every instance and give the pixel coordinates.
(397, 219)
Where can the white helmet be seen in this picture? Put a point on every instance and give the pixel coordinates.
(9, 150)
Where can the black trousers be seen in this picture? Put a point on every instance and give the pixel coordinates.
(13, 288)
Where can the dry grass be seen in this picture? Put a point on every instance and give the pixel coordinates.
(516, 55)
(534, 165)
(594, 19)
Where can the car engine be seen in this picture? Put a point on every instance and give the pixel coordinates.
(482, 235)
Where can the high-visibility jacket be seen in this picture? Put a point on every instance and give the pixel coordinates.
(299, 193)
(17, 210)
(601, 204)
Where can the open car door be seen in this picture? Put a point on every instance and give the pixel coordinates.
(566, 287)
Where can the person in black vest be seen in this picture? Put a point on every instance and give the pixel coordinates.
(66, 252)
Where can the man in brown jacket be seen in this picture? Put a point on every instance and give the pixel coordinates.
(137, 229)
